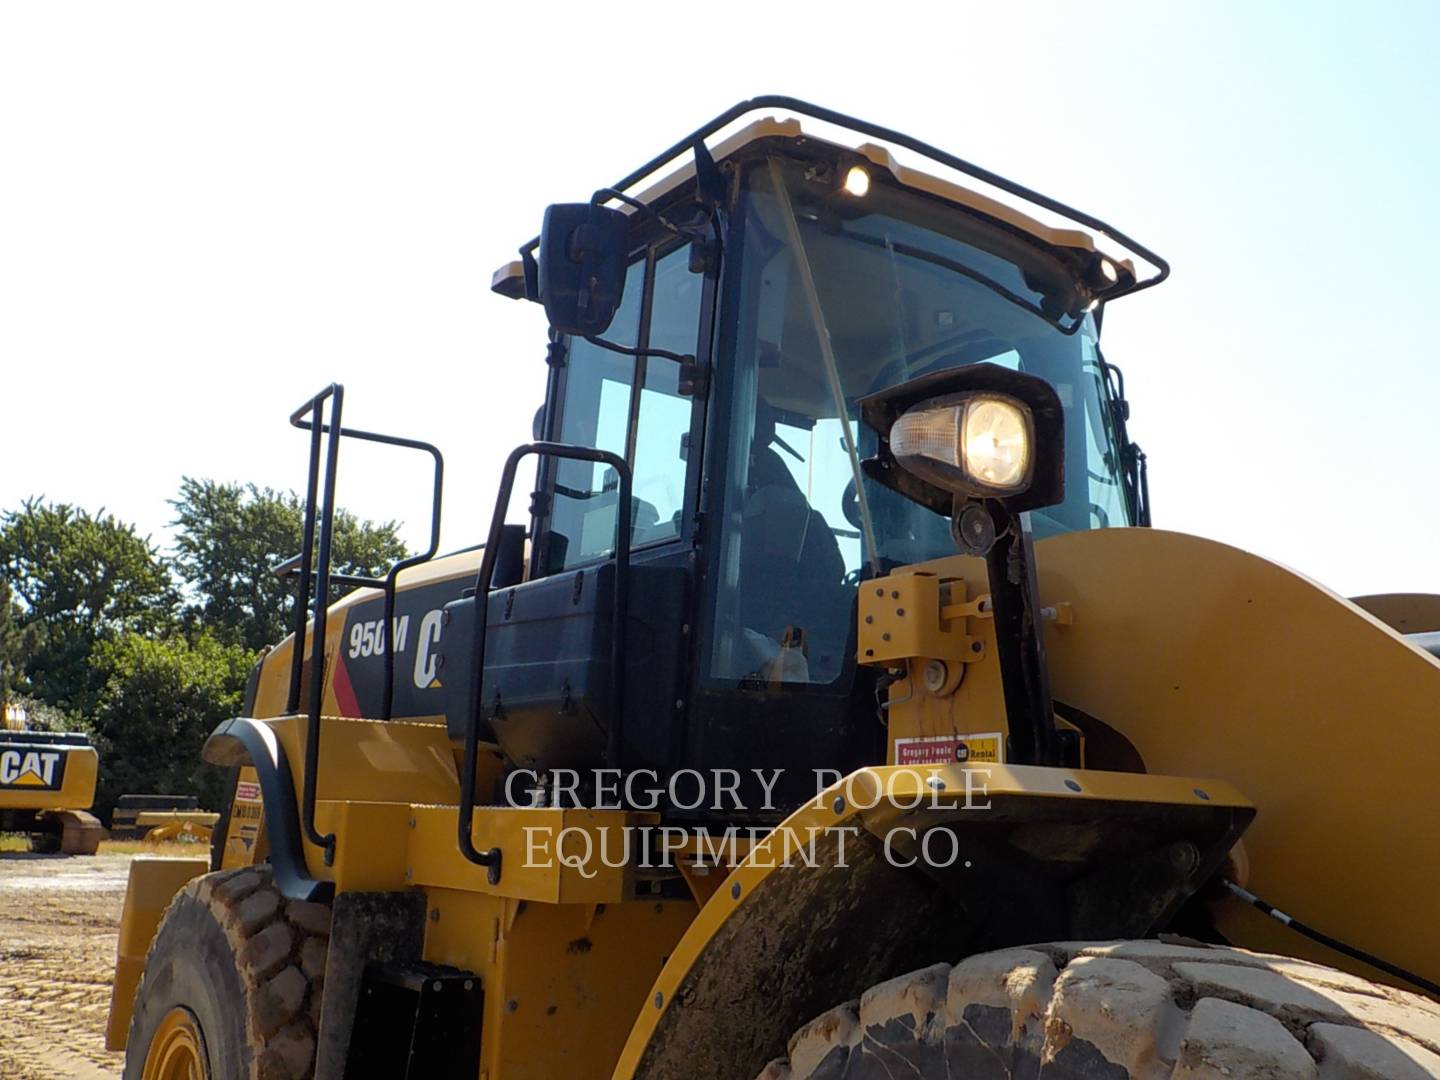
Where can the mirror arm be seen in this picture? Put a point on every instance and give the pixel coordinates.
(532, 273)
(708, 179)
(627, 350)
(684, 232)
(694, 378)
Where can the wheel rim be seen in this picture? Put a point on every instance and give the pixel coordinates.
(177, 1052)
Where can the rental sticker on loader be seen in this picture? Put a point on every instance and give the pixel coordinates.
(949, 749)
(246, 813)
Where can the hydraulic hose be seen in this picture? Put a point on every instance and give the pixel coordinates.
(1329, 942)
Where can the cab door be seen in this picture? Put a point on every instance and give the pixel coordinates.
(548, 653)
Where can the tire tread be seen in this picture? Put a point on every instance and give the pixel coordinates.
(266, 937)
(1132, 1010)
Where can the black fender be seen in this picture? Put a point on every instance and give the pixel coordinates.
(245, 741)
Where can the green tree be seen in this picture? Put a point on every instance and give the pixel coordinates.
(228, 539)
(15, 640)
(80, 580)
(161, 699)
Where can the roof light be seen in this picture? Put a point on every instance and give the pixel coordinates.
(857, 181)
(1108, 271)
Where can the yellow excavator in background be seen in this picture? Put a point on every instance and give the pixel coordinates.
(837, 715)
(47, 786)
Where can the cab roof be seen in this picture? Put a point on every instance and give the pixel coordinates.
(967, 186)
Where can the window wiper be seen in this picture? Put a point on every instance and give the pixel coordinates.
(922, 255)
(827, 353)
(787, 448)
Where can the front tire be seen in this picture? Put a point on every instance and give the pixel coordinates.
(232, 984)
(1136, 1010)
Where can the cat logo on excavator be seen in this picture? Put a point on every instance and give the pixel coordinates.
(32, 768)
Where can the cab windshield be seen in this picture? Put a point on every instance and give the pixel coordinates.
(840, 297)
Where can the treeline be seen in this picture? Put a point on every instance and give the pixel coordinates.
(147, 650)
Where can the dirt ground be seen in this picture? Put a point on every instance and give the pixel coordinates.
(58, 921)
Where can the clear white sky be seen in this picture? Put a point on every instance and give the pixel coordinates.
(208, 212)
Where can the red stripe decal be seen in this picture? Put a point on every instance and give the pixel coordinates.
(345, 700)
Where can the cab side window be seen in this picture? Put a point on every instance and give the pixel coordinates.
(660, 453)
(631, 406)
(595, 411)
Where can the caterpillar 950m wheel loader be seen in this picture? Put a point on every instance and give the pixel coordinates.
(836, 715)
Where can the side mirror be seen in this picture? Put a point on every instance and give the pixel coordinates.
(581, 272)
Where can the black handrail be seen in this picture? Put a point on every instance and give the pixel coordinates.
(613, 752)
(315, 565)
(1134, 473)
(307, 544)
(335, 393)
(389, 580)
(875, 131)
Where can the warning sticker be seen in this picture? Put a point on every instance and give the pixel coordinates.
(984, 748)
(247, 813)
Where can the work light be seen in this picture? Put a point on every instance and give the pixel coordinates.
(977, 432)
(857, 182)
(970, 444)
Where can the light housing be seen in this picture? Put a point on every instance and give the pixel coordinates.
(857, 181)
(977, 444)
(980, 431)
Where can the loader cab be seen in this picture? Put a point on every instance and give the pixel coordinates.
(754, 315)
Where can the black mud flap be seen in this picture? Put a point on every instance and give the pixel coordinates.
(365, 928)
(417, 1021)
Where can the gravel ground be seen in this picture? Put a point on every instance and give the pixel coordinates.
(58, 920)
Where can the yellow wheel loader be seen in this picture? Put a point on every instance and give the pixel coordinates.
(836, 715)
(47, 786)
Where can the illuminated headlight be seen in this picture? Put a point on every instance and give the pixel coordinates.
(979, 445)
